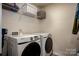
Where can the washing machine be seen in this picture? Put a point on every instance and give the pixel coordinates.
(28, 45)
(47, 44)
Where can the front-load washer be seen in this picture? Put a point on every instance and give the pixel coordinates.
(28, 45)
(47, 43)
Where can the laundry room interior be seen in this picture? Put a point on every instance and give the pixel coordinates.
(22, 22)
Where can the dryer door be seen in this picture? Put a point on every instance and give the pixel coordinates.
(32, 49)
(48, 45)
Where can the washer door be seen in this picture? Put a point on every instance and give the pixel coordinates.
(33, 49)
(48, 45)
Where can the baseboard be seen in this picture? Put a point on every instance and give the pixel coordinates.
(62, 54)
(58, 54)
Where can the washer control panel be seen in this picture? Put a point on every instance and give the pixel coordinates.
(27, 39)
(31, 38)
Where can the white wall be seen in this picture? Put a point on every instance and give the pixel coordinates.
(0, 29)
(14, 21)
(59, 22)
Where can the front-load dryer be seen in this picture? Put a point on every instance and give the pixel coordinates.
(28, 45)
(47, 43)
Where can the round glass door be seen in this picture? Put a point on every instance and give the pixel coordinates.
(33, 49)
(48, 45)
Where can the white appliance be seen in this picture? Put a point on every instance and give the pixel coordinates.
(47, 43)
(28, 45)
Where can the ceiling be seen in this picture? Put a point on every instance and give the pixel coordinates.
(41, 4)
